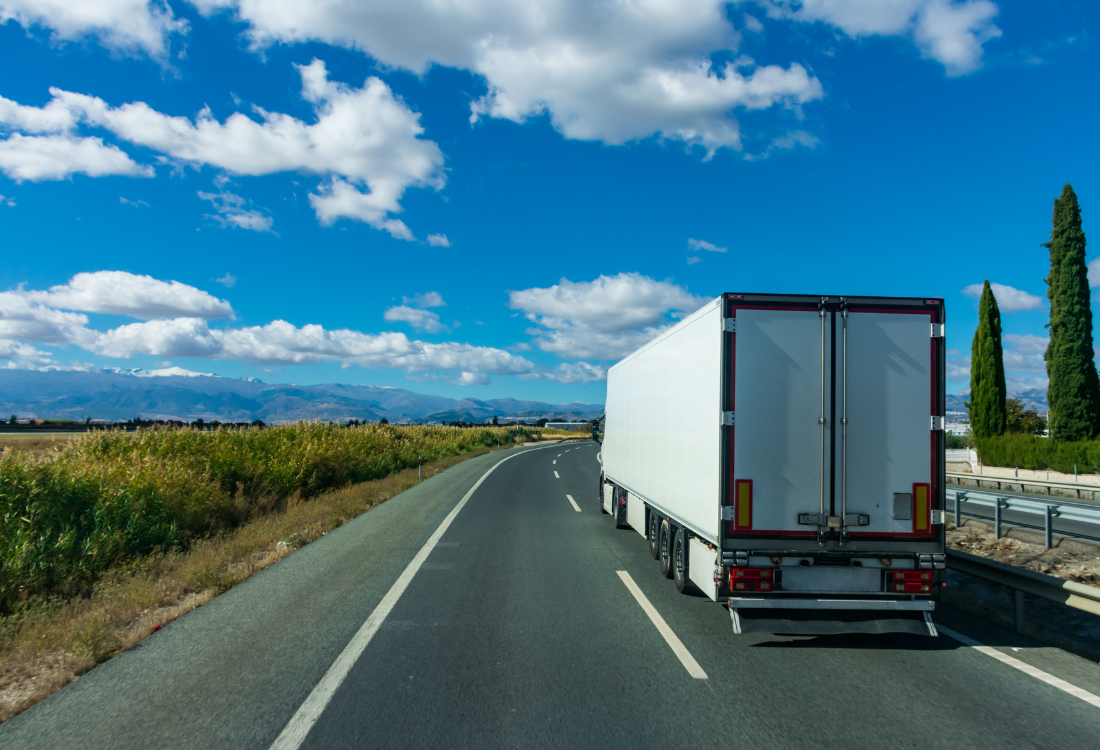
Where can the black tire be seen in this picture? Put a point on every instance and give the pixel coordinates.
(654, 548)
(664, 544)
(679, 560)
(618, 510)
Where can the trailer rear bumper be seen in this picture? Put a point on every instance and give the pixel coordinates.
(831, 616)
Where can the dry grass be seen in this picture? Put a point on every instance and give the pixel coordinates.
(50, 643)
(36, 445)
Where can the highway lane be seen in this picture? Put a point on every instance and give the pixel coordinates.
(518, 631)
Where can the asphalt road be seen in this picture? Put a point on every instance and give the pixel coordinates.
(518, 631)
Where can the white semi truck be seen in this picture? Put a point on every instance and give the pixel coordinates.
(784, 454)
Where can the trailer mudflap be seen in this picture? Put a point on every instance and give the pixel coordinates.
(830, 617)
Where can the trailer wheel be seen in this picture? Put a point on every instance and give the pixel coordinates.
(618, 510)
(679, 574)
(665, 544)
(654, 547)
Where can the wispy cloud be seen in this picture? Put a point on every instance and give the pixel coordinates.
(698, 245)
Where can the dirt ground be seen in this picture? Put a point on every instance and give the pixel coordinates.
(1071, 559)
(35, 444)
(1050, 622)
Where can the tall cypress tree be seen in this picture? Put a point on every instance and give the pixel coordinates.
(987, 370)
(1074, 390)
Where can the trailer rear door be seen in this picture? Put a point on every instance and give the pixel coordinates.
(797, 372)
(891, 400)
(782, 462)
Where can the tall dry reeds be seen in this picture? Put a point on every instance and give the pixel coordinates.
(113, 497)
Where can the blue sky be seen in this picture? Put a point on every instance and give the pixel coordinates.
(505, 200)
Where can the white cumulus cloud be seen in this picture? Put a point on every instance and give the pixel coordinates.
(124, 25)
(24, 318)
(1024, 353)
(604, 70)
(426, 299)
(19, 356)
(950, 32)
(177, 325)
(1094, 273)
(363, 138)
(438, 240)
(1009, 299)
(603, 319)
(56, 157)
(122, 293)
(420, 319)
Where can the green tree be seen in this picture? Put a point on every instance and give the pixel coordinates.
(987, 371)
(1023, 421)
(1074, 390)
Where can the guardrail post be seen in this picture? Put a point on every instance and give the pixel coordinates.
(1048, 537)
(1019, 611)
(997, 518)
(958, 503)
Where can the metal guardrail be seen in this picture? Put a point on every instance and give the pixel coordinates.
(1046, 510)
(1077, 487)
(1024, 581)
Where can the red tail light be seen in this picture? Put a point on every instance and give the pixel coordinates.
(751, 579)
(912, 575)
(911, 582)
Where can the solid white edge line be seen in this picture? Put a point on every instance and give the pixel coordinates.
(556, 475)
(574, 502)
(1038, 674)
(294, 733)
(674, 643)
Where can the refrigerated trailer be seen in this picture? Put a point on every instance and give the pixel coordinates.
(784, 455)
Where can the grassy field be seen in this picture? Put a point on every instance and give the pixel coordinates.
(104, 537)
(69, 515)
(50, 641)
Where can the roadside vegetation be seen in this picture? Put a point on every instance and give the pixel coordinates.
(1005, 432)
(108, 538)
(113, 497)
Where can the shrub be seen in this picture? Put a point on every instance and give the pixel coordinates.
(1039, 453)
(115, 496)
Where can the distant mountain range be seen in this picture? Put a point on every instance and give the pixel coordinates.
(177, 394)
(1033, 398)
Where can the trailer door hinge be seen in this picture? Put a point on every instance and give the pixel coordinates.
(728, 512)
(937, 518)
(729, 325)
(937, 330)
(727, 419)
(937, 423)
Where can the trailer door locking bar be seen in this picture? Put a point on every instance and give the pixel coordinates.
(834, 522)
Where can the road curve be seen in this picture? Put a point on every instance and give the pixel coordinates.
(520, 629)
